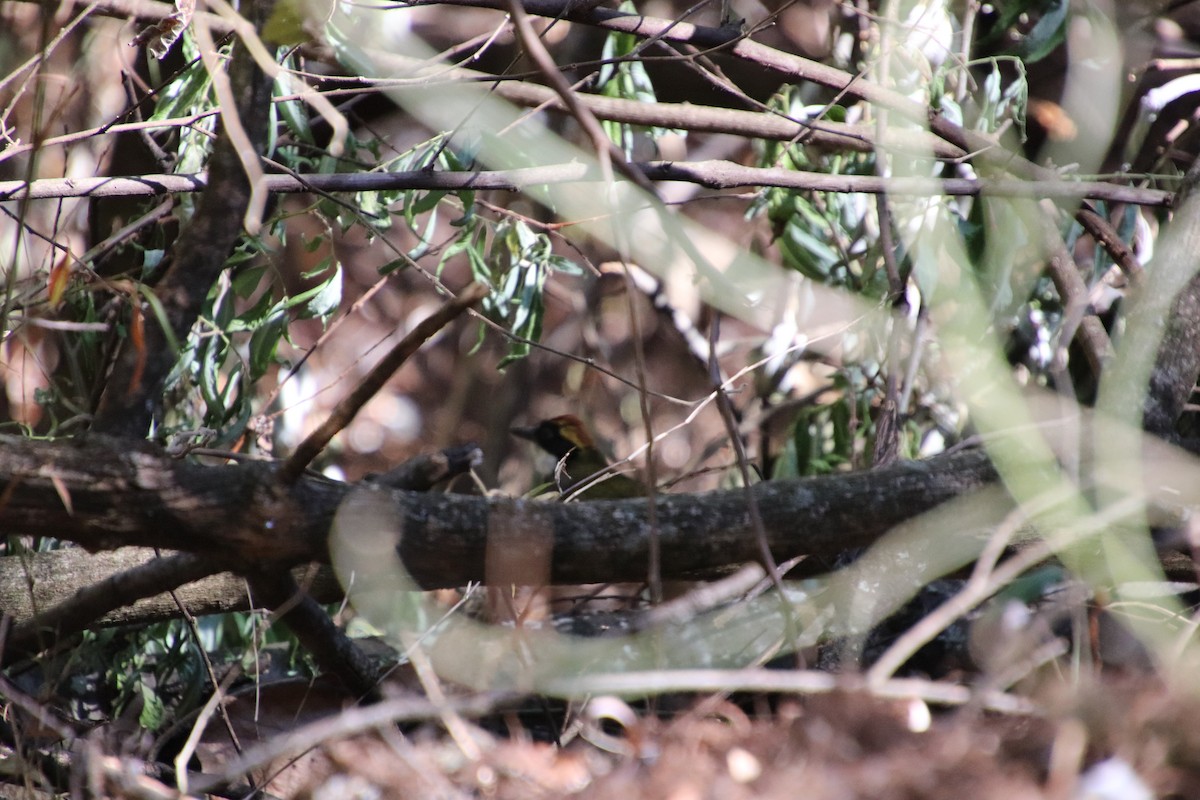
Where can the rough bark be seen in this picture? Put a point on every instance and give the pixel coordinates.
(1178, 364)
(330, 647)
(134, 391)
(127, 586)
(105, 493)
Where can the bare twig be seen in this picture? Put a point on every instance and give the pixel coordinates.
(984, 149)
(766, 557)
(607, 152)
(151, 217)
(348, 723)
(705, 597)
(36, 711)
(214, 704)
(93, 602)
(333, 651)
(791, 681)
(654, 560)
(887, 424)
(127, 777)
(987, 578)
(346, 410)
(1079, 323)
(710, 174)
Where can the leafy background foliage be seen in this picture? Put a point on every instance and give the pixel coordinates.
(304, 305)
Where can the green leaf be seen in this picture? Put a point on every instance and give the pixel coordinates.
(1047, 34)
(624, 75)
(843, 437)
(323, 266)
(425, 238)
(294, 113)
(564, 265)
(393, 265)
(285, 26)
(804, 445)
(154, 712)
(246, 281)
(189, 92)
(251, 318)
(322, 300)
(160, 315)
(264, 344)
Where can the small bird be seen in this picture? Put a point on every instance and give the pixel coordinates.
(580, 462)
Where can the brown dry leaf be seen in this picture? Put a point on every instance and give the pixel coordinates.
(159, 37)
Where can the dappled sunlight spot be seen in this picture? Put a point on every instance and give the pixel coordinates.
(675, 453)
(366, 436)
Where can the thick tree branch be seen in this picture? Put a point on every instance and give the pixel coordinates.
(53, 595)
(134, 389)
(1177, 366)
(104, 494)
(71, 590)
(95, 600)
(332, 649)
(1177, 361)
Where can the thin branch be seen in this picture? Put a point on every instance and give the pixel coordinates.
(89, 133)
(765, 557)
(1079, 322)
(93, 602)
(886, 447)
(787, 681)
(216, 703)
(654, 560)
(128, 231)
(374, 380)
(141, 10)
(333, 651)
(348, 723)
(38, 712)
(796, 68)
(33, 65)
(607, 152)
(987, 578)
(684, 116)
(710, 174)
(983, 149)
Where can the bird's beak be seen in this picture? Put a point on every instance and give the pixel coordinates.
(525, 433)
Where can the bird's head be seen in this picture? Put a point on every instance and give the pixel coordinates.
(558, 436)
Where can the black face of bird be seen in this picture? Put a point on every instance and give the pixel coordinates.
(579, 460)
(544, 436)
(557, 436)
